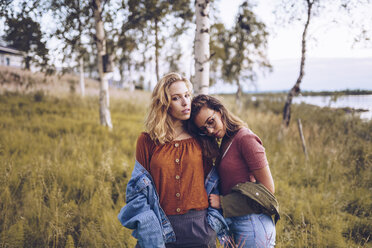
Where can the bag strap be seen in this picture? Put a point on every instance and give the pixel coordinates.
(226, 150)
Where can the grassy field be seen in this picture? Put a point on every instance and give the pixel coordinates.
(326, 201)
(63, 176)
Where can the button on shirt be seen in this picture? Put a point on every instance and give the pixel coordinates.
(178, 172)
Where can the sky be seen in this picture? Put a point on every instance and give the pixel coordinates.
(333, 63)
(331, 41)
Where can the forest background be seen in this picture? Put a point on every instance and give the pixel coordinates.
(63, 175)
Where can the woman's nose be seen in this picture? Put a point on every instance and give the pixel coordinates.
(184, 101)
(210, 130)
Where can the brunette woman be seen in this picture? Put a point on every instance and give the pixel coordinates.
(247, 206)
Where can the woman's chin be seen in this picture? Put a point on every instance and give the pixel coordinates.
(220, 134)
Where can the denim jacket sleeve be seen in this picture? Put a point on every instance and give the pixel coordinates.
(137, 214)
(215, 218)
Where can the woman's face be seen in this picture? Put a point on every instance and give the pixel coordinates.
(180, 101)
(210, 122)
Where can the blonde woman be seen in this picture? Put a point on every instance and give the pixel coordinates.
(167, 202)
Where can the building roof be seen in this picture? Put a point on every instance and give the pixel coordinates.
(10, 50)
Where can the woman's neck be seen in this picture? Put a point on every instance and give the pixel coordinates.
(179, 131)
(228, 138)
(178, 126)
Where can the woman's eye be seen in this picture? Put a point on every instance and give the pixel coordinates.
(187, 95)
(175, 98)
(203, 130)
(210, 122)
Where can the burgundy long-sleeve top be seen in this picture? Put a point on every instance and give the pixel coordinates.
(245, 154)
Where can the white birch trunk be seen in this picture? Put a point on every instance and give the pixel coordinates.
(104, 99)
(82, 82)
(201, 52)
(156, 51)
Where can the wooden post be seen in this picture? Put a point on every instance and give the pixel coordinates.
(82, 82)
(302, 138)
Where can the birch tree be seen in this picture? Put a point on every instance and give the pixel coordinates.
(72, 27)
(157, 14)
(104, 99)
(306, 11)
(295, 90)
(201, 46)
(240, 53)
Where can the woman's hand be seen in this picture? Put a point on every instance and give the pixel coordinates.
(214, 200)
(252, 178)
(264, 176)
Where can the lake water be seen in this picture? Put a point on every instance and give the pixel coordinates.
(352, 101)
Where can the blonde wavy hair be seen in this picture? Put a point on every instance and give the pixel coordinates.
(158, 123)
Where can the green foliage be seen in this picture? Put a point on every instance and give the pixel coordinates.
(70, 242)
(240, 52)
(62, 175)
(73, 27)
(24, 33)
(325, 201)
(39, 96)
(151, 18)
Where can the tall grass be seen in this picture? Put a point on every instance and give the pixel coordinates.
(63, 176)
(326, 201)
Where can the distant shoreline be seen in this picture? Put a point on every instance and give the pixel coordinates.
(309, 93)
(338, 93)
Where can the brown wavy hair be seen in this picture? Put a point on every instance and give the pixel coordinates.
(229, 120)
(158, 123)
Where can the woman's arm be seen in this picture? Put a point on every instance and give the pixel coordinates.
(264, 176)
(144, 149)
(137, 214)
(254, 155)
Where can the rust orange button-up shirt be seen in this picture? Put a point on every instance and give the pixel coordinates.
(178, 172)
